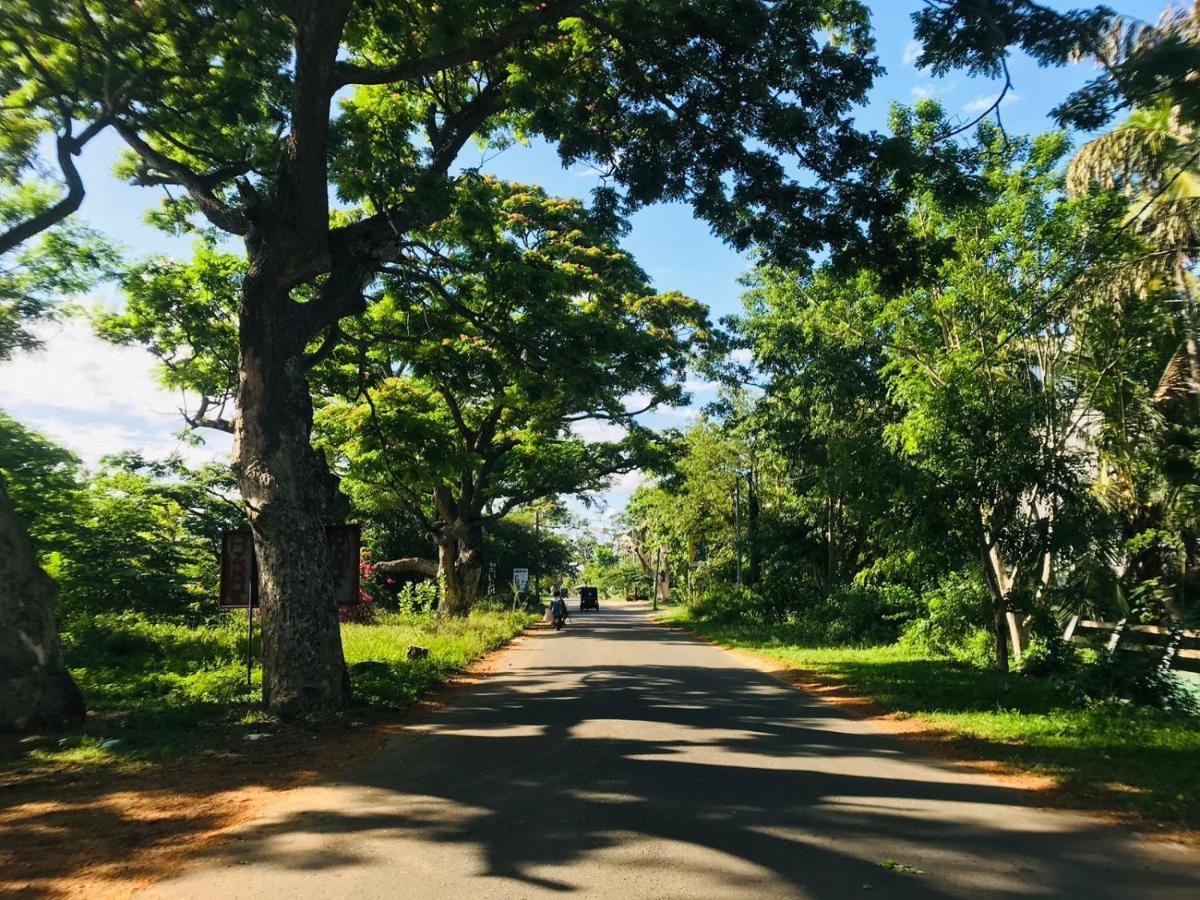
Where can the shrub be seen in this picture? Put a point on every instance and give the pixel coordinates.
(1049, 655)
(954, 611)
(729, 603)
(1137, 678)
(866, 614)
(418, 596)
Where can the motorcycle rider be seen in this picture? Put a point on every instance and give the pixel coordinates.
(558, 601)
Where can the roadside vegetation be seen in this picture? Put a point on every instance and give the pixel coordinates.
(161, 691)
(959, 409)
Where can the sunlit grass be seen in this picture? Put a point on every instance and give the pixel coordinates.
(380, 670)
(160, 691)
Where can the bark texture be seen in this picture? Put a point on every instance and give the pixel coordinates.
(459, 537)
(999, 584)
(287, 489)
(36, 691)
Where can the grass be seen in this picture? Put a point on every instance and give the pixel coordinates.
(383, 676)
(1136, 761)
(158, 691)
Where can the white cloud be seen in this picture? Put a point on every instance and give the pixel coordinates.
(635, 401)
(912, 52)
(97, 398)
(984, 101)
(677, 412)
(625, 484)
(743, 356)
(931, 90)
(94, 440)
(77, 371)
(593, 430)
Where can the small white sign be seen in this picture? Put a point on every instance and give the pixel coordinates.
(521, 579)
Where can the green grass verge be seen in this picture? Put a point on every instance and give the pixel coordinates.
(1131, 760)
(159, 691)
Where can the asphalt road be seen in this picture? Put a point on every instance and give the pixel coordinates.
(619, 759)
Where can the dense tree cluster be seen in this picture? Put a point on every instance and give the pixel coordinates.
(445, 330)
(1018, 425)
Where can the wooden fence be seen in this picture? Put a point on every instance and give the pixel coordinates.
(1178, 648)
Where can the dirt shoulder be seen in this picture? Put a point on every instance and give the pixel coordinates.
(102, 832)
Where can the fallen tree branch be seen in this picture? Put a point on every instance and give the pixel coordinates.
(408, 564)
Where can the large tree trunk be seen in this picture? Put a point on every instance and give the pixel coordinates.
(35, 689)
(286, 487)
(461, 563)
(459, 537)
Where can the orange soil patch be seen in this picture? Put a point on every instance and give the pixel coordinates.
(976, 753)
(105, 833)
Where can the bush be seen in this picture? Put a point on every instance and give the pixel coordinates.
(954, 610)
(1049, 656)
(1136, 678)
(729, 603)
(866, 614)
(854, 614)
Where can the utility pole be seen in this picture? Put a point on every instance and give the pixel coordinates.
(737, 524)
(537, 553)
(657, 574)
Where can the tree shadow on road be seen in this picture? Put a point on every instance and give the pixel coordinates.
(754, 785)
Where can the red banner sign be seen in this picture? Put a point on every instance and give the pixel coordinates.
(239, 569)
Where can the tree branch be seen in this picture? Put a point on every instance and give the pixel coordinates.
(408, 564)
(67, 147)
(328, 345)
(199, 186)
(341, 295)
(201, 419)
(461, 125)
(478, 50)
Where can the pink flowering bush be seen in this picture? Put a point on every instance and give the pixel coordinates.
(363, 612)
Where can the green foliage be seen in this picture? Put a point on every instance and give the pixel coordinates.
(490, 383)
(135, 536)
(382, 674)
(166, 690)
(955, 609)
(514, 542)
(38, 277)
(186, 314)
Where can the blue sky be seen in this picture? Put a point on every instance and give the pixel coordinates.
(98, 399)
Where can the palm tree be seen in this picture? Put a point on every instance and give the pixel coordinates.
(1154, 159)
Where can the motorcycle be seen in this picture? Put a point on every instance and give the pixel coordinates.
(558, 612)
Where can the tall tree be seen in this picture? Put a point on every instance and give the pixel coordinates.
(523, 318)
(1153, 159)
(980, 359)
(35, 688)
(232, 106)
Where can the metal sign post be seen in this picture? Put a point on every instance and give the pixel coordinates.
(239, 586)
(239, 575)
(249, 650)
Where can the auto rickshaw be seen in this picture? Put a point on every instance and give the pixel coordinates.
(589, 598)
